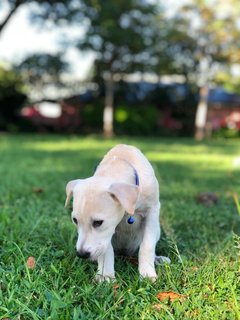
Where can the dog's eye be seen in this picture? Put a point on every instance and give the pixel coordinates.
(75, 220)
(97, 223)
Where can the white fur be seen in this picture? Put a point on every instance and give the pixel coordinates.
(107, 195)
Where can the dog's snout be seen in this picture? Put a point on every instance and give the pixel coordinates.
(83, 254)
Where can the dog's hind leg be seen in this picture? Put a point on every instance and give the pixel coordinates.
(162, 260)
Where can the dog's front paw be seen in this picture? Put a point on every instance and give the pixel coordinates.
(102, 278)
(148, 273)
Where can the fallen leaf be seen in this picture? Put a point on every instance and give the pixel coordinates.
(115, 289)
(31, 262)
(115, 286)
(194, 268)
(170, 296)
(37, 190)
(207, 198)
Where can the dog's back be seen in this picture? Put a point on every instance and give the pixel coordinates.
(148, 183)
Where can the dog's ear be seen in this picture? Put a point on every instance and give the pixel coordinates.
(126, 194)
(69, 190)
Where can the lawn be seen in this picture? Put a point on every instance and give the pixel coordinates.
(200, 240)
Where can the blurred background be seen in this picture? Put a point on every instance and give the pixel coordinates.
(132, 67)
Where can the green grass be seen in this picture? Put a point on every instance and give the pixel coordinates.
(201, 241)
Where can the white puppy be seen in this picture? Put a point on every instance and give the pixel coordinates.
(124, 186)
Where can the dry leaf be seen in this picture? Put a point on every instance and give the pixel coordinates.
(194, 268)
(170, 296)
(115, 286)
(31, 262)
(115, 289)
(37, 190)
(207, 198)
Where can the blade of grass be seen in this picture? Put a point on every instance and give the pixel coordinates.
(237, 202)
(25, 265)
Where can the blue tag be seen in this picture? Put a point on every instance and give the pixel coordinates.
(130, 220)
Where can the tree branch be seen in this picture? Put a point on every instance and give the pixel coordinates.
(10, 14)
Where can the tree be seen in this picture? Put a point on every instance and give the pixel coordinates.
(42, 69)
(49, 9)
(13, 6)
(174, 47)
(121, 33)
(12, 97)
(214, 30)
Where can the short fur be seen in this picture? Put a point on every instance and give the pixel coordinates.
(110, 195)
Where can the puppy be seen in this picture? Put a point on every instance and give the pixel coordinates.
(117, 210)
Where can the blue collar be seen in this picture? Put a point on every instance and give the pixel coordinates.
(136, 177)
(130, 220)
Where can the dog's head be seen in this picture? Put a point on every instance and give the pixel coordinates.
(98, 207)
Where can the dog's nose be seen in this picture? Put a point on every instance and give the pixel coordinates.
(83, 254)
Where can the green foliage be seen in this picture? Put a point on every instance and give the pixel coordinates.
(226, 133)
(12, 97)
(92, 117)
(230, 83)
(120, 32)
(129, 119)
(43, 10)
(136, 119)
(198, 239)
(209, 33)
(42, 69)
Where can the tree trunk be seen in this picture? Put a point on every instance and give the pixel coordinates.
(108, 108)
(8, 17)
(201, 114)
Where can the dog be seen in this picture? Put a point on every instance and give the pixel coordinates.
(117, 211)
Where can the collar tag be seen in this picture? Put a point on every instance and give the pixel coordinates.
(130, 220)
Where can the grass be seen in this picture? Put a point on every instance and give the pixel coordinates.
(202, 242)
